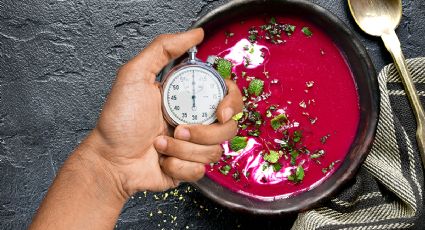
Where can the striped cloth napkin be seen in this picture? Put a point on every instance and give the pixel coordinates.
(388, 192)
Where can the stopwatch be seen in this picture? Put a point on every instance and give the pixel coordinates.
(191, 91)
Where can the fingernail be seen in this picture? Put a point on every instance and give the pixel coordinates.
(227, 114)
(182, 134)
(161, 143)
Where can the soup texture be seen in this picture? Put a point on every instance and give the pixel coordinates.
(301, 105)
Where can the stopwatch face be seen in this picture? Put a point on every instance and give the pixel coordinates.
(191, 95)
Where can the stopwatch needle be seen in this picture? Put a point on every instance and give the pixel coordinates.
(193, 92)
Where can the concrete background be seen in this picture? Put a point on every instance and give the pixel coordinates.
(58, 59)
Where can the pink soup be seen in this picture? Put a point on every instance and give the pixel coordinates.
(301, 112)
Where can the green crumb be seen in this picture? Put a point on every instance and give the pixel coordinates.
(224, 68)
(256, 87)
(237, 143)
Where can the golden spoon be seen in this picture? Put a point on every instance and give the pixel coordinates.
(380, 18)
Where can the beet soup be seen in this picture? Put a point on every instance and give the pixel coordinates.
(301, 106)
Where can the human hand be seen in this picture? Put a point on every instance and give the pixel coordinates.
(134, 141)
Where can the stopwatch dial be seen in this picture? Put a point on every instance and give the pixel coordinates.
(191, 96)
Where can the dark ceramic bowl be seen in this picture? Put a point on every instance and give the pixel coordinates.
(364, 76)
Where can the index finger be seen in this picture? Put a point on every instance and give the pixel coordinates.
(164, 48)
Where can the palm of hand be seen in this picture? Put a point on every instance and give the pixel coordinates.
(130, 121)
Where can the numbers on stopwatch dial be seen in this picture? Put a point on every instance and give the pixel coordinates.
(192, 96)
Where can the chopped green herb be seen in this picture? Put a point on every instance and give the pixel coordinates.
(330, 167)
(237, 143)
(289, 29)
(236, 176)
(238, 116)
(272, 20)
(268, 113)
(294, 154)
(245, 91)
(307, 31)
(253, 32)
(277, 167)
(224, 68)
(298, 176)
(258, 123)
(278, 121)
(243, 126)
(256, 87)
(254, 133)
(297, 136)
(265, 166)
(225, 169)
(324, 138)
(271, 157)
(254, 116)
(247, 61)
(317, 154)
(300, 173)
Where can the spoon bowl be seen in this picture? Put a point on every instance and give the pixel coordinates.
(376, 17)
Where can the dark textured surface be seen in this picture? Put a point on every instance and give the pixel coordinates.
(58, 59)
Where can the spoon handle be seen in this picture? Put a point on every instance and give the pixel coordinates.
(393, 46)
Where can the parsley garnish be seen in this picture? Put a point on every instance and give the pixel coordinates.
(297, 136)
(237, 143)
(294, 154)
(256, 87)
(278, 121)
(317, 154)
(236, 176)
(225, 169)
(324, 138)
(224, 68)
(252, 35)
(307, 31)
(238, 116)
(254, 133)
(289, 29)
(330, 167)
(298, 176)
(277, 167)
(271, 157)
